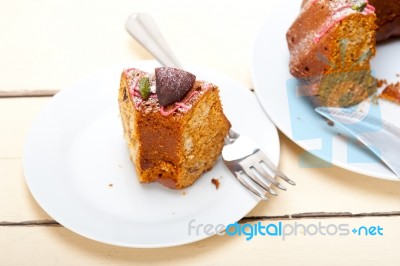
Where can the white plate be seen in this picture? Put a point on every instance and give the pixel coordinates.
(295, 117)
(75, 150)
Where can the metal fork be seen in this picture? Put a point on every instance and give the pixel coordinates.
(251, 166)
(241, 155)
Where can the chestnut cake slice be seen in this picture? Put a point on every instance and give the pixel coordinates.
(331, 44)
(174, 125)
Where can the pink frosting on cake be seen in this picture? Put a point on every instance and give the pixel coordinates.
(134, 75)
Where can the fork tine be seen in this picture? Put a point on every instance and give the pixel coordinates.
(266, 176)
(247, 185)
(251, 166)
(267, 163)
(249, 172)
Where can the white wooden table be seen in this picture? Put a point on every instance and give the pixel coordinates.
(48, 45)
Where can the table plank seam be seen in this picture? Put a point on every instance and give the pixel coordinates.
(31, 223)
(27, 93)
(248, 219)
(320, 215)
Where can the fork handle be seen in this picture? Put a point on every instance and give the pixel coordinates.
(142, 27)
(231, 137)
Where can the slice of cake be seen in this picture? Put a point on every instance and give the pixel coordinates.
(331, 44)
(174, 125)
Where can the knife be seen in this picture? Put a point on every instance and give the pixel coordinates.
(380, 136)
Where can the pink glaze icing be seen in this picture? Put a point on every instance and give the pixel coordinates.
(325, 28)
(178, 105)
(135, 94)
(166, 113)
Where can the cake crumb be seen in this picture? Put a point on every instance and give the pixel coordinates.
(381, 82)
(183, 193)
(215, 182)
(330, 123)
(392, 93)
(110, 185)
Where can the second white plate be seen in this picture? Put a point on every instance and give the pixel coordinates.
(295, 116)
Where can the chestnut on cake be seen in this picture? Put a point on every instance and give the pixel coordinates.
(174, 125)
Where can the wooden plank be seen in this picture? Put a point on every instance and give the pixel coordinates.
(17, 203)
(52, 44)
(46, 49)
(59, 246)
(17, 115)
(317, 190)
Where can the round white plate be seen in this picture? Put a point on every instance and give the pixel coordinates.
(294, 115)
(77, 167)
